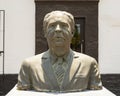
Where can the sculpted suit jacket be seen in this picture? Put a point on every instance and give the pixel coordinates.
(36, 73)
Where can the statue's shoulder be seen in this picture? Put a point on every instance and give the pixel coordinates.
(35, 57)
(83, 57)
(33, 60)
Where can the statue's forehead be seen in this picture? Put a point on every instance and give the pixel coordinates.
(58, 17)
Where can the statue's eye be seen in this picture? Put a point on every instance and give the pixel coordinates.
(64, 25)
(52, 25)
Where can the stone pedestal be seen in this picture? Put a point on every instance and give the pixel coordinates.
(103, 92)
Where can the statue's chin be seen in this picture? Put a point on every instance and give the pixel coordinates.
(59, 51)
(59, 44)
(59, 47)
(60, 54)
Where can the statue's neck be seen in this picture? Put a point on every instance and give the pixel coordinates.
(60, 52)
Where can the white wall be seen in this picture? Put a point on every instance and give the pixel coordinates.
(109, 36)
(19, 32)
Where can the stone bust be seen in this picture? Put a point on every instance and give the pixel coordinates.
(60, 69)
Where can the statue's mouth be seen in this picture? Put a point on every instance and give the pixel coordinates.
(59, 39)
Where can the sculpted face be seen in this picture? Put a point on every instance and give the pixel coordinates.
(59, 34)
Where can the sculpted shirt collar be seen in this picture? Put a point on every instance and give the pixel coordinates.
(66, 57)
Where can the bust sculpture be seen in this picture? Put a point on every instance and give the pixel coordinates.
(60, 69)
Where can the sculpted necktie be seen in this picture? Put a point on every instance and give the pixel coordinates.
(59, 71)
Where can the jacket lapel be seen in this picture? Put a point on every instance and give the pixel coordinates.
(47, 66)
(74, 65)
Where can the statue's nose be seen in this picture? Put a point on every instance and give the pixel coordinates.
(58, 28)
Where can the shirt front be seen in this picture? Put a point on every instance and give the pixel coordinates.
(63, 62)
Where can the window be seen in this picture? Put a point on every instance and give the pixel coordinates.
(78, 41)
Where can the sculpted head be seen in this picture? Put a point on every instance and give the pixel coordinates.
(59, 29)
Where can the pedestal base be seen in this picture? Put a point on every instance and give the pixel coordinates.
(103, 92)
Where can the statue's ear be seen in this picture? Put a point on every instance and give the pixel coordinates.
(73, 31)
(45, 33)
(72, 34)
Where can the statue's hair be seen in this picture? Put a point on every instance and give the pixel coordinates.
(69, 15)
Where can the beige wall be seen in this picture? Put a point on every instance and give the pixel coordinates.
(109, 36)
(20, 34)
